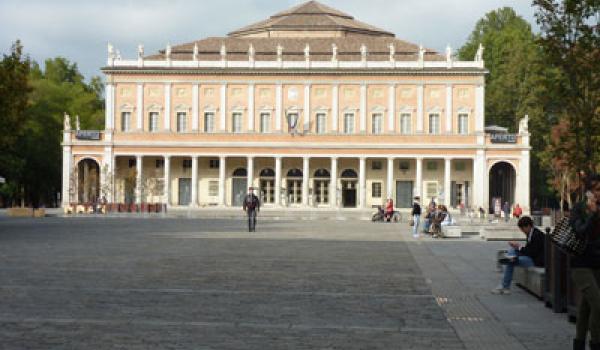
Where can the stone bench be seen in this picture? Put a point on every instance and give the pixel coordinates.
(531, 279)
(26, 212)
(451, 231)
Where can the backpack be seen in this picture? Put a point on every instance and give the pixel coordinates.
(251, 201)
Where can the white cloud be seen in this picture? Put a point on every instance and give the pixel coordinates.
(80, 30)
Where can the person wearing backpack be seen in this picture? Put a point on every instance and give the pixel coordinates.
(585, 268)
(251, 206)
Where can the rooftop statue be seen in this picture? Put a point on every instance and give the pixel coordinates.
(334, 52)
(524, 124)
(392, 52)
(448, 53)
(307, 51)
(140, 51)
(77, 125)
(223, 51)
(479, 54)
(195, 54)
(67, 122)
(421, 53)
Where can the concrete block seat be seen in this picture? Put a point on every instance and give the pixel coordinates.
(451, 231)
(531, 279)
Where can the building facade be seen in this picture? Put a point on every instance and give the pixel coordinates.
(310, 107)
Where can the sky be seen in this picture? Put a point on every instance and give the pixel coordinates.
(79, 30)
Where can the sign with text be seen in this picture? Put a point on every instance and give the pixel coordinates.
(503, 138)
(87, 135)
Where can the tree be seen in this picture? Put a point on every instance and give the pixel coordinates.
(14, 92)
(570, 39)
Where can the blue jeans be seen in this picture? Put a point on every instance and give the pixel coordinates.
(522, 260)
(416, 219)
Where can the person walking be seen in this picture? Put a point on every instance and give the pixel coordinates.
(506, 210)
(585, 268)
(251, 206)
(416, 216)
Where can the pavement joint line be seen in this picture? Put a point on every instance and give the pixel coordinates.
(220, 292)
(213, 324)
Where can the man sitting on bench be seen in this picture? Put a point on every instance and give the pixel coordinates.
(532, 254)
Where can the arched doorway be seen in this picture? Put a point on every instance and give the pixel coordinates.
(267, 186)
(294, 186)
(349, 179)
(502, 179)
(88, 181)
(239, 186)
(322, 178)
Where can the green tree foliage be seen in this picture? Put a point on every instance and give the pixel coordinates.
(517, 83)
(570, 40)
(52, 91)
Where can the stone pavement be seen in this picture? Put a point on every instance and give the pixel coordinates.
(130, 283)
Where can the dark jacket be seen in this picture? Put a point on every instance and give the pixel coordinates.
(251, 202)
(588, 226)
(534, 248)
(416, 209)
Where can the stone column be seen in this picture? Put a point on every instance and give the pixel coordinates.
(333, 183)
(66, 175)
(420, 95)
(390, 177)
(109, 103)
(391, 108)
(222, 169)
(447, 181)
(138, 179)
(167, 115)
(251, 107)
(306, 108)
(419, 178)
(305, 179)
(479, 179)
(523, 180)
(167, 179)
(194, 202)
(479, 108)
(106, 174)
(335, 108)
(363, 108)
(250, 170)
(278, 106)
(223, 108)
(277, 180)
(449, 109)
(362, 182)
(195, 102)
(140, 106)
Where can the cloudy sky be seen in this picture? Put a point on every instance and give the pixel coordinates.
(80, 29)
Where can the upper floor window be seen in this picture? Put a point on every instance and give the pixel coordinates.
(405, 123)
(209, 122)
(236, 122)
(377, 123)
(463, 124)
(213, 163)
(349, 123)
(181, 122)
(153, 121)
(434, 123)
(321, 123)
(125, 121)
(293, 120)
(265, 122)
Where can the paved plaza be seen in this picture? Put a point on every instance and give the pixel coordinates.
(180, 283)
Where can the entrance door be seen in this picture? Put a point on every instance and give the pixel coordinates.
(294, 191)
(238, 191)
(267, 190)
(404, 194)
(185, 190)
(348, 194)
(321, 192)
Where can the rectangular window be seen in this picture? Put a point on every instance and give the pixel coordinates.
(376, 190)
(265, 122)
(321, 123)
(236, 122)
(460, 166)
(463, 124)
(153, 121)
(160, 163)
(125, 121)
(181, 121)
(405, 123)
(377, 124)
(349, 123)
(432, 165)
(293, 121)
(431, 189)
(213, 164)
(404, 165)
(376, 165)
(209, 122)
(213, 188)
(434, 124)
(132, 162)
(187, 163)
